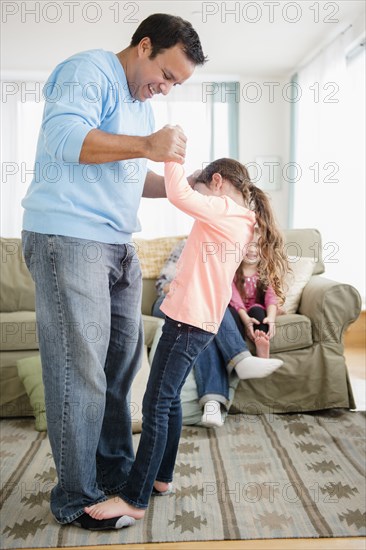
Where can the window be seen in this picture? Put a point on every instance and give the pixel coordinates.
(20, 125)
(330, 151)
(211, 129)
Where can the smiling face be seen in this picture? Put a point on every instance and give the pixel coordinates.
(147, 77)
(252, 255)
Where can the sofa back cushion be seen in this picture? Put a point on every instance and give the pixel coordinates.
(152, 254)
(17, 287)
(305, 243)
(300, 243)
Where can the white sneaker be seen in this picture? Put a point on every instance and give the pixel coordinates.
(212, 417)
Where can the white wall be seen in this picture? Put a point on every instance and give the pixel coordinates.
(265, 130)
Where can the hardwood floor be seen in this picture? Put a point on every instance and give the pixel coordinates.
(355, 358)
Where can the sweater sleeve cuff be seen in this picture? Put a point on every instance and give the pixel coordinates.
(74, 142)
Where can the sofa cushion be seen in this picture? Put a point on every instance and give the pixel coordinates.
(153, 253)
(305, 243)
(13, 398)
(296, 280)
(137, 393)
(18, 331)
(30, 373)
(17, 287)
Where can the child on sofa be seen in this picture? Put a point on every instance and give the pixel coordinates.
(254, 304)
(222, 356)
(223, 203)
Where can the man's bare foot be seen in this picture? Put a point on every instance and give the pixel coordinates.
(261, 344)
(113, 508)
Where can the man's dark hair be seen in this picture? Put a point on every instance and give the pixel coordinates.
(165, 31)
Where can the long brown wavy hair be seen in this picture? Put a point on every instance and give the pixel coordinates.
(273, 265)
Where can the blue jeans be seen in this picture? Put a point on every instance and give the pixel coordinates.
(178, 347)
(216, 362)
(88, 307)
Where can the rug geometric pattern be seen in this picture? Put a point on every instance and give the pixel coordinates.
(265, 476)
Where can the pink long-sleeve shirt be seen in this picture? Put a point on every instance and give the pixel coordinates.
(250, 287)
(201, 289)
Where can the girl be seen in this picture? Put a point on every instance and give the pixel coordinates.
(253, 299)
(223, 355)
(222, 202)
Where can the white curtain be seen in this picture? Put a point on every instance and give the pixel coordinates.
(330, 166)
(20, 123)
(208, 124)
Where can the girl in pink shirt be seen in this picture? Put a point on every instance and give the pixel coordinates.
(223, 203)
(254, 303)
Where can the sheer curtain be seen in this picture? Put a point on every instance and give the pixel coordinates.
(211, 128)
(329, 193)
(20, 123)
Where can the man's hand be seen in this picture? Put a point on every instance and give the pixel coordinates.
(167, 144)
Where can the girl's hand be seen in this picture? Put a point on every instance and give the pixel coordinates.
(271, 326)
(166, 288)
(249, 325)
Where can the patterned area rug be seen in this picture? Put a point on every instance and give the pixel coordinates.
(269, 476)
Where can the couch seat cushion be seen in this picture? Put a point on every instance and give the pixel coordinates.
(17, 287)
(292, 332)
(18, 331)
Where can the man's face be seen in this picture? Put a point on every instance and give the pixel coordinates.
(157, 76)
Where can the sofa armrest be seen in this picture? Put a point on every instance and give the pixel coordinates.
(331, 307)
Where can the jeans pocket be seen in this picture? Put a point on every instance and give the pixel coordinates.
(197, 340)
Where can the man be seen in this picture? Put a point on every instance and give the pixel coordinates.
(80, 212)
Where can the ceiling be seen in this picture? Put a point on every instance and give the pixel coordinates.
(252, 38)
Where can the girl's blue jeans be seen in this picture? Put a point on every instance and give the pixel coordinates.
(217, 360)
(177, 350)
(88, 307)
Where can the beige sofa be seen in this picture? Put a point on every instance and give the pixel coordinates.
(310, 342)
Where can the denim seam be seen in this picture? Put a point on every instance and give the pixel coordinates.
(66, 384)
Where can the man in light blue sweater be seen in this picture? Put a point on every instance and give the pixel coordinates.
(80, 212)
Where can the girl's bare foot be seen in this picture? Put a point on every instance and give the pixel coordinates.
(161, 486)
(261, 344)
(113, 508)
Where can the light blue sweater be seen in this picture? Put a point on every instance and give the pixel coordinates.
(94, 201)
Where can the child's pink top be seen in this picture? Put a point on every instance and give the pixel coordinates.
(201, 289)
(250, 288)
